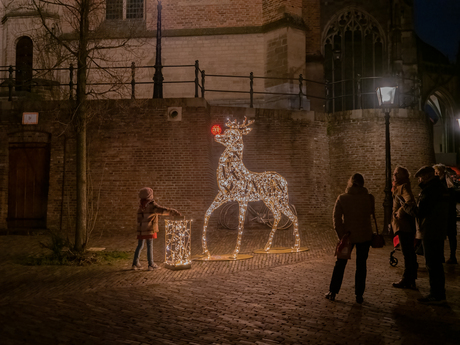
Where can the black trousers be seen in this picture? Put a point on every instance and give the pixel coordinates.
(406, 240)
(434, 255)
(362, 252)
(452, 244)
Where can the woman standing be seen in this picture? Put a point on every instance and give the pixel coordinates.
(404, 226)
(352, 213)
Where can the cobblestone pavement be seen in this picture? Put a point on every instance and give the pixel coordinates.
(269, 299)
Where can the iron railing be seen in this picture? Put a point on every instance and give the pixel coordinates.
(125, 77)
(357, 93)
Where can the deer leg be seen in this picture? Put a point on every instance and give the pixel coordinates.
(288, 212)
(276, 219)
(243, 205)
(218, 201)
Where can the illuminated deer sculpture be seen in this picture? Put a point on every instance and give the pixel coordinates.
(237, 183)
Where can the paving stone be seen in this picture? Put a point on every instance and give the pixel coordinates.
(269, 299)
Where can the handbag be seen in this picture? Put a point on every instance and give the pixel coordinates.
(343, 248)
(377, 239)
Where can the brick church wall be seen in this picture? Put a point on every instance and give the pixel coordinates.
(132, 145)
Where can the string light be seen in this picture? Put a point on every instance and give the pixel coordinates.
(216, 129)
(178, 243)
(237, 183)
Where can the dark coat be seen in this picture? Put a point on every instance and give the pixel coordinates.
(402, 221)
(452, 214)
(352, 213)
(432, 210)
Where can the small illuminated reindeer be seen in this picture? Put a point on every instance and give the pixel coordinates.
(237, 183)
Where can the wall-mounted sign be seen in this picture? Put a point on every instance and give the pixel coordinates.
(29, 118)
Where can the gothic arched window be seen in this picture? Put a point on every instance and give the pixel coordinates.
(24, 61)
(354, 54)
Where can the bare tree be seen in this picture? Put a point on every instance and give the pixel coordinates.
(78, 28)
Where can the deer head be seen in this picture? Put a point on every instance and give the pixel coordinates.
(233, 136)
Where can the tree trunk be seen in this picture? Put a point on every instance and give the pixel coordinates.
(81, 222)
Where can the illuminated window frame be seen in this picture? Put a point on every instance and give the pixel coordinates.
(125, 10)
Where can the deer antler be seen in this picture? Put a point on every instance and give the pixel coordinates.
(234, 124)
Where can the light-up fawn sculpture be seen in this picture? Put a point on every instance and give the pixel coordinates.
(237, 183)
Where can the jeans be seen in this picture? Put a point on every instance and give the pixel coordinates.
(140, 245)
(407, 241)
(434, 255)
(362, 252)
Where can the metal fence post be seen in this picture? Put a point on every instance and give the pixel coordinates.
(197, 69)
(251, 89)
(360, 96)
(10, 83)
(70, 81)
(327, 107)
(300, 91)
(202, 83)
(133, 80)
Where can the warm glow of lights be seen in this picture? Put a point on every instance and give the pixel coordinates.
(178, 242)
(237, 183)
(386, 95)
(215, 130)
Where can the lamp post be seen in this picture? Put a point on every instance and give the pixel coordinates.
(386, 97)
(158, 76)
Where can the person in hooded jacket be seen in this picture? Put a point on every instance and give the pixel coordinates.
(352, 213)
(441, 171)
(147, 225)
(404, 226)
(431, 213)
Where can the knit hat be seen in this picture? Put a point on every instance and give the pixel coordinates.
(146, 193)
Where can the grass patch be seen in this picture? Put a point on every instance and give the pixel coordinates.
(59, 252)
(67, 258)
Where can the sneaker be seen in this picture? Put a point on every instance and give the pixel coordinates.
(431, 300)
(359, 299)
(135, 268)
(330, 296)
(152, 267)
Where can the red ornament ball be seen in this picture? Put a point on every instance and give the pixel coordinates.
(216, 130)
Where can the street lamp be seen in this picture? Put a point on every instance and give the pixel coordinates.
(386, 96)
(158, 76)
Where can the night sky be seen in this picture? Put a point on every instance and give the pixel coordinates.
(437, 22)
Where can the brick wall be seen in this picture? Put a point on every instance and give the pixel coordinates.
(193, 14)
(357, 144)
(132, 145)
(311, 15)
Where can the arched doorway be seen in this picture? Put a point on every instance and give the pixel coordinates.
(24, 62)
(439, 109)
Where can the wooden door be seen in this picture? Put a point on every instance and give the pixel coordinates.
(28, 181)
